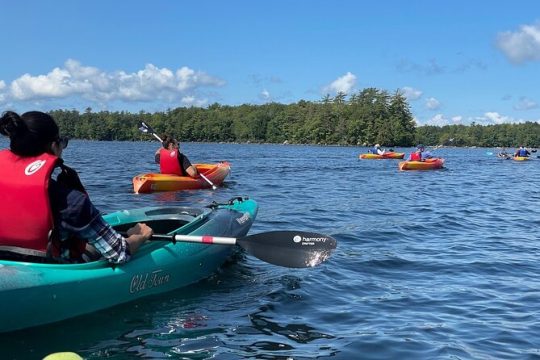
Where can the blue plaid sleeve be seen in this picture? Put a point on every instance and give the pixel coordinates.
(79, 217)
(110, 244)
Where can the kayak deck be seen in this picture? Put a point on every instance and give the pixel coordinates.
(150, 182)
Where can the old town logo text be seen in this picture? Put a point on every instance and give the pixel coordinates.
(141, 282)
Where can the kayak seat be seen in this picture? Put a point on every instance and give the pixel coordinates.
(160, 226)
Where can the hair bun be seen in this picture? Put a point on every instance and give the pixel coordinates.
(11, 124)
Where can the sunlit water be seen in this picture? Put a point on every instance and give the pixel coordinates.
(434, 264)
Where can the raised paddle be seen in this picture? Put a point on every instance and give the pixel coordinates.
(147, 129)
(293, 249)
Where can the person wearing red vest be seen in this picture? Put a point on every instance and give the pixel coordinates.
(172, 161)
(420, 154)
(47, 219)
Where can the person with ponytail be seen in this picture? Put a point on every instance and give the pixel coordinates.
(46, 214)
(172, 161)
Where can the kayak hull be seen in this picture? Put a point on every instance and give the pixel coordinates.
(151, 182)
(35, 294)
(388, 155)
(428, 164)
(521, 158)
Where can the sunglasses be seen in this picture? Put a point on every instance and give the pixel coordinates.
(62, 141)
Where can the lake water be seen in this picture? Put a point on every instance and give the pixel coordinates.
(435, 264)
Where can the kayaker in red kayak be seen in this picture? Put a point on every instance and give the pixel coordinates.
(42, 218)
(172, 161)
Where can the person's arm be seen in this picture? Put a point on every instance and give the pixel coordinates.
(138, 235)
(78, 217)
(157, 156)
(193, 172)
(190, 169)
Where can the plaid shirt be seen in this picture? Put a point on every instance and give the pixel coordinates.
(76, 216)
(111, 245)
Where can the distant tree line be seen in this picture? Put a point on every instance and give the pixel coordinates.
(501, 135)
(367, 117)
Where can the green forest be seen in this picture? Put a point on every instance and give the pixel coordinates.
(367, 117)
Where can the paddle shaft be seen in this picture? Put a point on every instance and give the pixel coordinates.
(205, 239)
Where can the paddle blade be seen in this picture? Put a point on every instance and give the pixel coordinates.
(145, 128)
(293, 249)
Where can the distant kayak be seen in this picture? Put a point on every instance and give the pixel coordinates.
(428, 164)
(35, 293)
(521, 158)
(504, 156)
(147, 183)
(388, 155)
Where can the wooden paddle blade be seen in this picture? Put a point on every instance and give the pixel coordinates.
(293, 249)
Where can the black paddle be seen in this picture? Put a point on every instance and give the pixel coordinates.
(293, 249)
(147, 129)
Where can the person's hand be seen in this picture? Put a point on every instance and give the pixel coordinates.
(141, 229)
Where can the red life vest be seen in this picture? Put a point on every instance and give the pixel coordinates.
(415, 156)
(168, 162)
(26, 219)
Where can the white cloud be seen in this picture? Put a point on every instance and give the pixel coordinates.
(438, 120)
(265, 95)
(410, 93)
(497, 118)
(457, 119)
(149, 84)
(2, 88)
(522, 45)
(493, 117)
(525, 104)
(342, 84)
(193, 101)
(432, 103)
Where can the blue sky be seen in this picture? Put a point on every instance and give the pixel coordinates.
(456, 61)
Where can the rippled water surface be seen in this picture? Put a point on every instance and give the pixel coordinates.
(434, 264)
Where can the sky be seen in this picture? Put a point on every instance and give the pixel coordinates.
(457, 61)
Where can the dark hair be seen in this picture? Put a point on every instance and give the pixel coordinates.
(167, 140)
(31, 133)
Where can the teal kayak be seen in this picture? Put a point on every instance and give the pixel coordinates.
(34, 294)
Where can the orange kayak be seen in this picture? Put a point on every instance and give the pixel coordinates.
(147, 183)
(428, 164)
(388, 155)
(521, 158)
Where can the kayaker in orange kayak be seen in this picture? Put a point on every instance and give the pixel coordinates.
(377, 150)
(42, 218)
(420, 154)
(172, 161)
